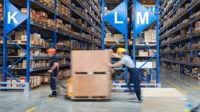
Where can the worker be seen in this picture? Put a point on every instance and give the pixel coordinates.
(54, 69)
(134, 76)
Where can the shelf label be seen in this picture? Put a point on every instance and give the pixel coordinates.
(118, 17)
(31, 58)
(142, 18)
(31, 69)
(14, 17)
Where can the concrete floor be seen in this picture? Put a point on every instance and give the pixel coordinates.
(121, 102)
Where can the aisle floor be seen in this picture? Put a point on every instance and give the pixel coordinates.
(121, 102)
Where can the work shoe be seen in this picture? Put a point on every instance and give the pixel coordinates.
(52, 96)
(140, 101)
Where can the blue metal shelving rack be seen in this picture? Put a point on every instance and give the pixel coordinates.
(183, 40)
(7, 69)
(149, 47)
(157, 84)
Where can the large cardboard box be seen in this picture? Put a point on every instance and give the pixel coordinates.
(90, 61)
(91, 76)
(91, 85)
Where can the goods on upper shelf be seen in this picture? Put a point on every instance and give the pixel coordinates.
(150, 36)
(1, 12)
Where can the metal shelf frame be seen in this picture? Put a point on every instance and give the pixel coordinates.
(134, 46)
(182, 41)
(29, 24)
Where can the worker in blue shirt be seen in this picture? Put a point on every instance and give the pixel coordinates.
(54, 69)
(134, 76)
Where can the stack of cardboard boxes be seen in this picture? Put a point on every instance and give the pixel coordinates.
(1, 12)
(48, 3)
(150, 36)
(90, 79)
(113, 38)
(146, 53)
(62, 9)
(197, 27)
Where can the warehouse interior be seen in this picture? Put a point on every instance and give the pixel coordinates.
(81, 41)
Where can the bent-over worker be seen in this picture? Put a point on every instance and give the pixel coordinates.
(134, 77)
(54, 69)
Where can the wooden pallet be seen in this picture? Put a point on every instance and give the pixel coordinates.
(20, 41)
(148, 43)
(91, 73)
(35, 43)
(89, 98)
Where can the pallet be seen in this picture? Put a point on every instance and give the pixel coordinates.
(92, 73)
(147, 43)
(89, 98)
(19, 41)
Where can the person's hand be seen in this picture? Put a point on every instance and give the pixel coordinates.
(50, 71)
(110, 65)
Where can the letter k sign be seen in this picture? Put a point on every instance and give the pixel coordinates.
(14, 17)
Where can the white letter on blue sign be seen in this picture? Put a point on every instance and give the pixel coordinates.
(12, 17)
(141, 20)
(116, 20)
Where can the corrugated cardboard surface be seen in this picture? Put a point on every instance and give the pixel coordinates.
(91, 85)
(90, 61)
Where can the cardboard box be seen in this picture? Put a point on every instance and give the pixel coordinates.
(151, 53)
(90, 76)
(90, 61)
(117, 37)
(93, 85)
(154, 64)
(143, 53)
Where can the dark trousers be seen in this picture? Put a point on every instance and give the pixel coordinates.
(135, 80)
(53, 83)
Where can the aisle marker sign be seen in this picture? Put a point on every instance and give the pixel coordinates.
(143, 18)
(118, 17)
(14, 17)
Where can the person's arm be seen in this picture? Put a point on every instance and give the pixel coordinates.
(55, 66)
(115, 55)
(117, 64)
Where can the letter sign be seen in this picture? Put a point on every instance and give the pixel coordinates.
(14, 17)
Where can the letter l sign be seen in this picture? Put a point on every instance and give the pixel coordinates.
(116, 19)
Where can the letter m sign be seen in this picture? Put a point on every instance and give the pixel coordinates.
(142, 19)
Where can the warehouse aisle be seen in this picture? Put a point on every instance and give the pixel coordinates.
(184, 84)
(39, 102)
(121, 102)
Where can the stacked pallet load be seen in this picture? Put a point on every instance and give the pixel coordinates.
(150, 37)
(111, 39)
(91, 78)
(179, 34)
(1, 12)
